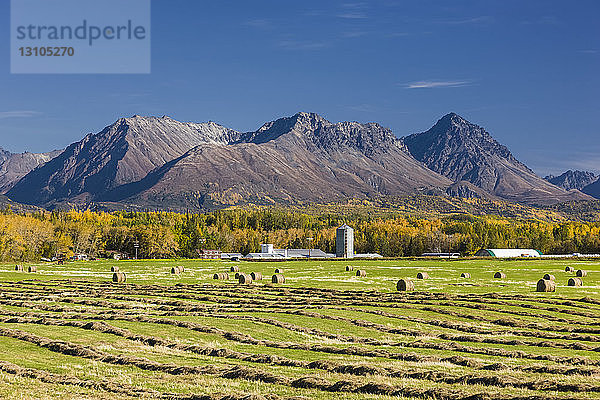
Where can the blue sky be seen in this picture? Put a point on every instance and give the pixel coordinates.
(527, 71)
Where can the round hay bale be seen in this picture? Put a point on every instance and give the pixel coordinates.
(465, 275)
(405, 285)
(32, 268)
(225, 276)
(175, 270)
(181, 268)
(217, 276)
(581, 273)
(119, 277)
(279, 270)
(19, 268)
(575, 282)
(237, 275)
(245, 279)
(422, 275)
(569, 269)
(278, 278)
(499, 275)
(256, 276)
(546, 285)
(361, 272)
(235, 268)
(549, 277)
(349, 268)
(114, 268)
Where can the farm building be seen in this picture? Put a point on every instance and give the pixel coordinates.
(508, 253)
(441, 255)
(206, 254)
(344, 242)
(268, 252)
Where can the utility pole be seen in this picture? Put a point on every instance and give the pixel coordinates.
(310, 239)
(136, 244)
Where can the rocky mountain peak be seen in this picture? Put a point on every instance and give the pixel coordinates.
(573, 179)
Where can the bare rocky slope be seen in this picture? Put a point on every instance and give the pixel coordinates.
(14, 166)
(123, 152)
(463, 151)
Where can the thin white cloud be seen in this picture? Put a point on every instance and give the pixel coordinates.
(352, 15)
(464, 21)
(435, 84)
(18, 114)
(302, 45)
(588, 51)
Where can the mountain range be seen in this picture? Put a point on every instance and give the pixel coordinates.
(585, 181)
(162, 163)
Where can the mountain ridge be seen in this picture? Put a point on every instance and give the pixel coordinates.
(301, 158)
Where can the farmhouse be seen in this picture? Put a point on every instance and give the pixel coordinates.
(508, 253)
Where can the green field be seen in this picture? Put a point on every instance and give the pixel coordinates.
(68, 332)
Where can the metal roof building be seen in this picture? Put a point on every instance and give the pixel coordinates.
(508, 253)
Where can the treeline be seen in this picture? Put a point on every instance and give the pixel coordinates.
(25, 237)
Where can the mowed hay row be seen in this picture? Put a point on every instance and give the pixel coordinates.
(244, 279)
(114, 268)
(256, 276)
(279, 270)
(465, 275)
(32, 269)
(361, 273)
(569, 269)
(119, 277)
(422, 275)
(499, 275)
(405, 285)
(546, 285)
(349, 268)
(19, 268)
(575, 282)
(549, 277)
(221, 276)
(278, 278)
(235, 268)
(581, 273)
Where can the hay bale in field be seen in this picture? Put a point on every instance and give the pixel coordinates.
(405, 285)
(546, 285)
(549, 277)
(244, 279)
(575, 282)
(175, 270)
(256, 276)
(181, 268)
(361, 272)
(32, 268)
(221, 276)
(349, 268)
(119, 277)
(278, 278)
(499, 275)
(237, 275)
(569, 269)
(19, 268)
(422, 275)
(581, 273)
(235, 268)
(465, 275)
(114, 268)
(279, 270)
